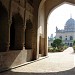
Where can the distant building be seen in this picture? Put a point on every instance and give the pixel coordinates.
(50, 40)
(68, 33)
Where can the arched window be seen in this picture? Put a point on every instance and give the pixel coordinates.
(68, 44)
(60, 37)
(66, 38)
(71, 37)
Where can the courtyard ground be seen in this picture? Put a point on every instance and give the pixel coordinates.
(59, 63)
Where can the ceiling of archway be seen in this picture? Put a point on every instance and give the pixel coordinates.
(51, 4)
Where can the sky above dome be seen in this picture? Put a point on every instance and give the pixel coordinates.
(58, 17)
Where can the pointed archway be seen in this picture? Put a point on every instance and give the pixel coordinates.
(4, 29)
(16, 33)
(45, 7)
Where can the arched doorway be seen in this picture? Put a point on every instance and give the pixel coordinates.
(28, 35)
(16, 33)
(4, 29)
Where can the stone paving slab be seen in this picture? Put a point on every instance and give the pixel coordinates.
(60, 63)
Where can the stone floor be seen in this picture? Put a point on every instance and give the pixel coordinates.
(60, 63)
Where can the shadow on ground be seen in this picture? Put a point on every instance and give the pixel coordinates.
(67, 72)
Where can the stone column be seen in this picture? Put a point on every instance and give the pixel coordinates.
(45, 39)
(41, 45)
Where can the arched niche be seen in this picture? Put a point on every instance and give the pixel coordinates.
(28, 35)
(17, 32)
(4, 28)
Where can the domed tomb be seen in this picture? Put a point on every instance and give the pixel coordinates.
(70, 25)
(70, 22)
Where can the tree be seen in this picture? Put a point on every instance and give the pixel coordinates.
(57, 43)
(74, 42)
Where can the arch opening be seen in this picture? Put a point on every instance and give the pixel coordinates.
(3, 28)
(28, 35)
(12, 34)
(16, 31)
(64, 25)
(44, 10)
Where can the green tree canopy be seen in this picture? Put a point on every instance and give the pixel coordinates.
(57, 43)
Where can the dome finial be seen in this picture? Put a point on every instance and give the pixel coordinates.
(70, 15)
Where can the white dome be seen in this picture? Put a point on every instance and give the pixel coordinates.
(70, 22)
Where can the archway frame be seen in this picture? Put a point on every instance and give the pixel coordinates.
(45, 8)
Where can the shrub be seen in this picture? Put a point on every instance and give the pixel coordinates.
(54, 49)
(74, 48)
(50, 49)
(74, 42)
(57, 46)
(65, 47)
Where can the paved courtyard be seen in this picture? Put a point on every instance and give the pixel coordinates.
(60, 63)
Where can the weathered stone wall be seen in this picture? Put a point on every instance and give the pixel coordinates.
(21, 11)
(13, 59)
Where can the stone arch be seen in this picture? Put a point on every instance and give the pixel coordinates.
(4, 28)
(16, 32)
(28, 34)
(45, 7)
(18, 20)
(56, 6)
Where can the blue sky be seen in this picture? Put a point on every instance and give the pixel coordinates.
(58, 17)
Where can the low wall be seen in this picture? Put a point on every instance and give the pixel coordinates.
(14, 58)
